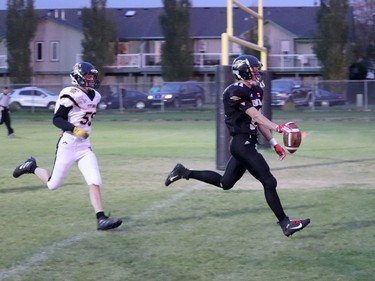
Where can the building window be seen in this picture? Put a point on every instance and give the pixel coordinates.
(55, 51)
(39, 51)
(285, 47)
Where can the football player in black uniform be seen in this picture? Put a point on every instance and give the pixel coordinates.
(242, 103)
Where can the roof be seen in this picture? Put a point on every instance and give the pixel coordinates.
(143, 23)
(301, 21)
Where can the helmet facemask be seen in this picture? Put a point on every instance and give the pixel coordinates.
(257, 75)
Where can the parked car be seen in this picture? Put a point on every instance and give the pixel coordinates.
(177, 94)
(326, 98)
(33, 97)
(130, 99)
(290, 91)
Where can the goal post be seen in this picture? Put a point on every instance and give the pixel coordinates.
(228, 35)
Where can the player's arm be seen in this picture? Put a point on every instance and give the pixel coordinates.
(266, 132)
(260, 119)
(60, 120)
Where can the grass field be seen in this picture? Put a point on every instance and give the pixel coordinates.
(190, 231)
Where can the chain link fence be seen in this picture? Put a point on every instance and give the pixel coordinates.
(337, 94)
(359, 94)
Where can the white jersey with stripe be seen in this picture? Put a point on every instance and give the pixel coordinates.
(83, 109)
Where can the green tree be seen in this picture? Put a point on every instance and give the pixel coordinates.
(21, 24)
(176, 51)
(99, 31)
(364, 38)
(333, 47)
(364, 21)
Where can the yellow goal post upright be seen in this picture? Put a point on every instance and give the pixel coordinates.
(224, 75)
(228, 36)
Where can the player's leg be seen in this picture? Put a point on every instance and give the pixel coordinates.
(233, 172)
(88, 165)
(30, 167)
(64, 159)
(6, 119)
(258, 167)
(263, 174)
(181, 172)
(243, 149)
(42, 174)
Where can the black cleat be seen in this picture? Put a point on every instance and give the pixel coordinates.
(178, 172)
(27, 167)
(291, 226)
(106, 223)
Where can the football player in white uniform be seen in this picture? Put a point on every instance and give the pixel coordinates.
(75, 109)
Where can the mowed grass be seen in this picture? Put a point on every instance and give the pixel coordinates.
(190, 231)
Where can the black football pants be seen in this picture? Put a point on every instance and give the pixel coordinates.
(5, 118)
(245, 157)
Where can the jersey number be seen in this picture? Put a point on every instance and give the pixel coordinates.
(86, 120)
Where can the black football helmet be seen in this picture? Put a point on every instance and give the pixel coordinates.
(78, 75)
(243, 68)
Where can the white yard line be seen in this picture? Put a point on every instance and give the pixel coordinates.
(49, 251)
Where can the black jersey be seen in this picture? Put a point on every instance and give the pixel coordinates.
(237, 98)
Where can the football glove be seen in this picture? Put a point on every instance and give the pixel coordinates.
(283, 128)
(278, 148)
(80, 133)
(280, 151)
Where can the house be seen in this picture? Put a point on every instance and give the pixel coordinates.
(56, 45)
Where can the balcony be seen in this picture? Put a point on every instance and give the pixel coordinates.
(307, 63)
(202, 62)
(277, 63)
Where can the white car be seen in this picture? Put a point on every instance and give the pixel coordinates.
(32, 97)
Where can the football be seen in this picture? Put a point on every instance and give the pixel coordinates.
(292, 140)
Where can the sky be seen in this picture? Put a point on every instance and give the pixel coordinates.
(58, 4)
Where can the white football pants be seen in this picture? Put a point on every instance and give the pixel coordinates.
(70, 150)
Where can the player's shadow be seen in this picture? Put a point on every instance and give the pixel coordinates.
(349, 225)
(220, 213)
(28, 188)
(21, 189)
(328, 229)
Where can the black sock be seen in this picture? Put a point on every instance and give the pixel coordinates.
(100, 215)
(33, 170)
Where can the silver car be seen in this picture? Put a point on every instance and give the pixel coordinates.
(33, 97)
